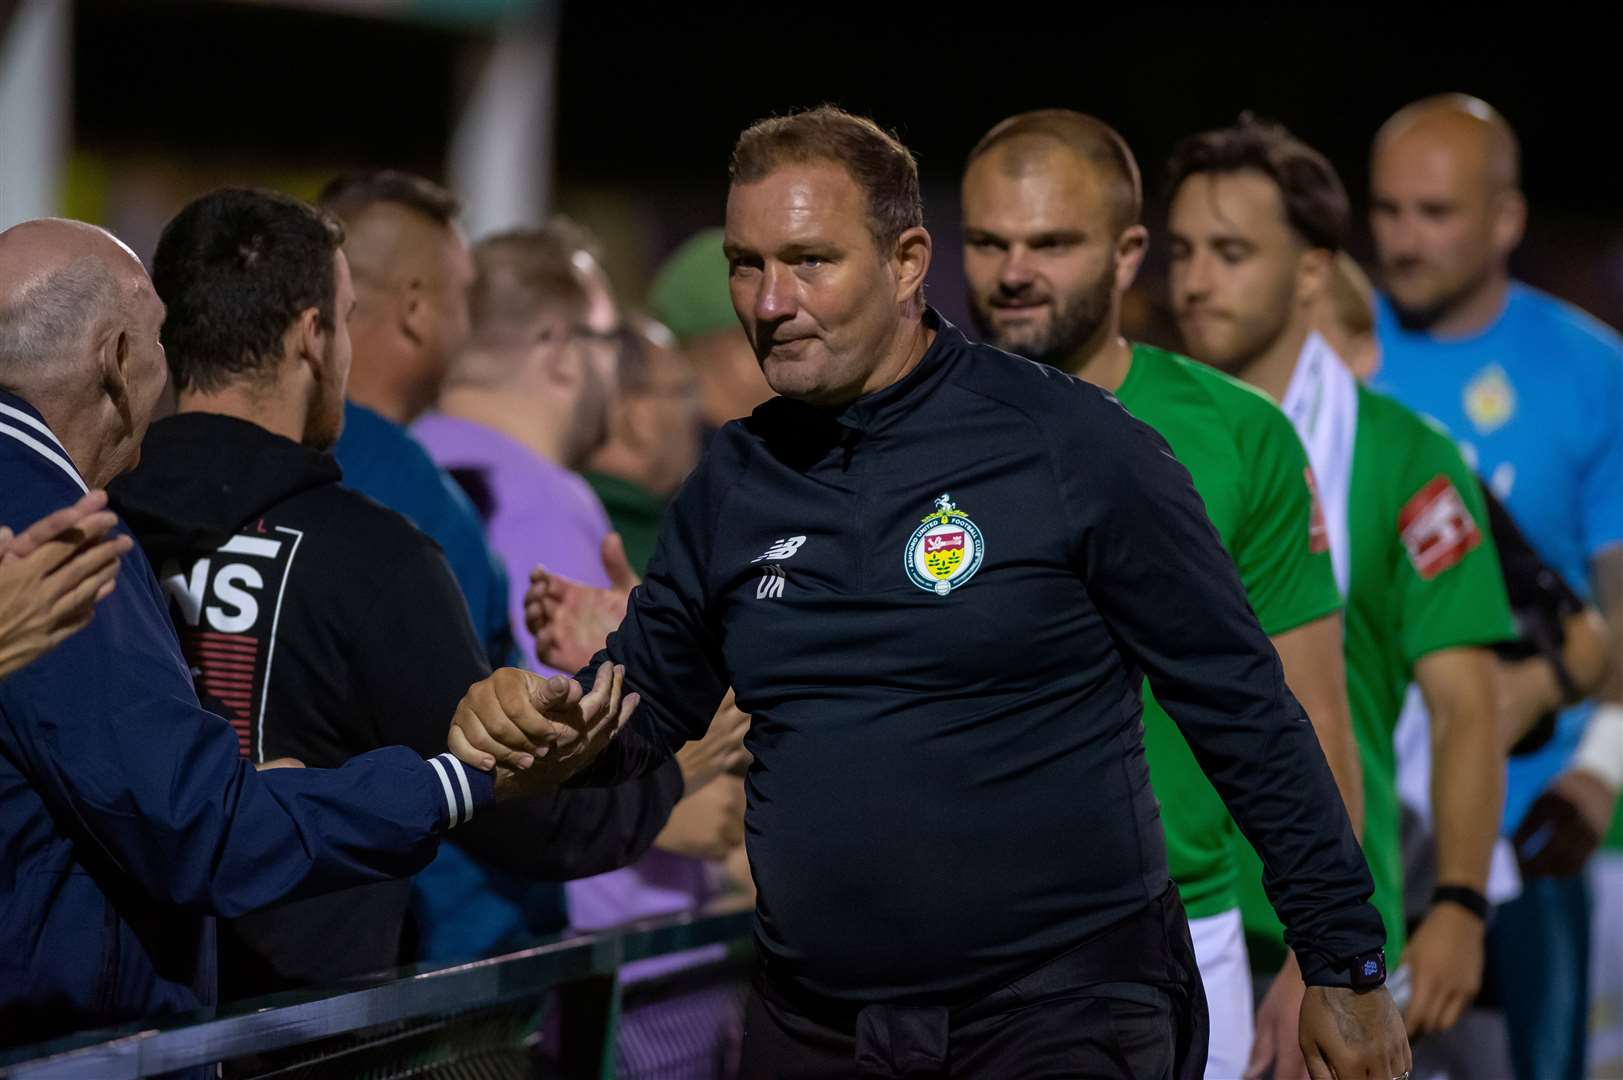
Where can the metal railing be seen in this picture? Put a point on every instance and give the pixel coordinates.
(404, 1024)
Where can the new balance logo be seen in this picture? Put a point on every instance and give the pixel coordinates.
(781, 549)
(772, 580)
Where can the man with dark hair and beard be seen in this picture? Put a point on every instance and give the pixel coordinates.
(1254, 220)
(1052, 239)
(319, 623)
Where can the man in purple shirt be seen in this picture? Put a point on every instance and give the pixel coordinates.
(525, 404)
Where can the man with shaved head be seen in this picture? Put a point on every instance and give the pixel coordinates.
(127, 814)
(412, 271)
(1533, 391)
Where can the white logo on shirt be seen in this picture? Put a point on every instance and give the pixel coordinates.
(772, 581)
(781, 549)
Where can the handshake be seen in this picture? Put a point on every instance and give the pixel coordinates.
(536, 733)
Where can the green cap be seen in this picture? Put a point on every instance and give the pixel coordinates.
(690, 293)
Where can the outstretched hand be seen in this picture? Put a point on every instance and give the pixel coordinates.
(536, 733)
(571, 621)
(52, 576)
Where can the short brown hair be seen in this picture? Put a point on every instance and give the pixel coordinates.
(521, 277)
(353, 193)
(1316, 206)
(522, 274)
(882, 167)
(1089, 138)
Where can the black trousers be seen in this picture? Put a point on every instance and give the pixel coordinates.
(1126, 1004)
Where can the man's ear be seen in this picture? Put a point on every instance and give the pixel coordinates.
(911, 261)
(114, 358)
(414, 311)
(1131, 247)
(552, 357)
(309, 342)
(1314, 268)
(1509, 221)
(628, 424)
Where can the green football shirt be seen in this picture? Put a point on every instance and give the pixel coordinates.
(1423, 577)
(1250, 469)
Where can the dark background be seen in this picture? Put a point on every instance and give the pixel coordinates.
(649, 99)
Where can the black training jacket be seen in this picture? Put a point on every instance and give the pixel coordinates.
(938, 604)
(323, 625)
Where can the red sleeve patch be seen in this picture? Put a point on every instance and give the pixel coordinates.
(1436, 528)
(1318, 533)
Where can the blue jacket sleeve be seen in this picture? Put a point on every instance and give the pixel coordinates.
(108, 731)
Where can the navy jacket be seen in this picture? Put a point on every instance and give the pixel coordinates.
(128, 815)
(938, 604)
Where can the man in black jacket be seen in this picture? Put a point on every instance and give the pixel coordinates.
(937, 575)
(319, 623)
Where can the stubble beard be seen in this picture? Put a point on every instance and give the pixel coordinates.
(1075, 323)
(1423, 317)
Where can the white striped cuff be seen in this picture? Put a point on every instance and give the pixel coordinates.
(459, 790)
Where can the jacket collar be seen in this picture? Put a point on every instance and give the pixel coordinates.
(21, 422)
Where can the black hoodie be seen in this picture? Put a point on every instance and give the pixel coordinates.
(322, 625)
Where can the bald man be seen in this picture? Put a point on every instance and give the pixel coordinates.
(412, 271)
(127, 814)
(1533, 391)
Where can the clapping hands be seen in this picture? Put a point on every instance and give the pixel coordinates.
(53, 575)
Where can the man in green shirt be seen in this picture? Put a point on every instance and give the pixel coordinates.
(1255, 220)
(1052, 239)
(653, 438)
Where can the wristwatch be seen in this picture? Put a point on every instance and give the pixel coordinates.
(1367, 970)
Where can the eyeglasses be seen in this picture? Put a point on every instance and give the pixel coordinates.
(582, 332)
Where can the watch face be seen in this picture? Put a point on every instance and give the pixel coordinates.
(1368, 970)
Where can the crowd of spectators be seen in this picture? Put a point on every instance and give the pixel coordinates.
(396, 458)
